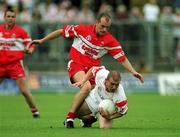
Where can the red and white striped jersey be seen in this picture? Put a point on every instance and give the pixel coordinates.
(100, 93)
(12, 44)
(88, 48)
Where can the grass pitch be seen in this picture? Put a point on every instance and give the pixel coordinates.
(149, 115)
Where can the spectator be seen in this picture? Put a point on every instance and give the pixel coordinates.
(135, 15)
(25, 16)
(122, 13)
(151, 11)
(86, 14)
(165, 33)
(176, 30)
(106, 8)
(49, 12)
(67, 13)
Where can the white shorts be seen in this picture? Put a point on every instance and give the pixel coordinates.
(93, 101)
(92, 104)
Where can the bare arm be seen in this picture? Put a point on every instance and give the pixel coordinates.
(109, 116)
(116, 115)
(129, 67)
(50, 36)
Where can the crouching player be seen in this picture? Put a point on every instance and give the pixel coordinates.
(107, 86)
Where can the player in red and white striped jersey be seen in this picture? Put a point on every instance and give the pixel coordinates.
(13, 40)
(91, 42)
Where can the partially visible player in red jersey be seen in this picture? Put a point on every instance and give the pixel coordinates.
(13, 40)
(91, 42)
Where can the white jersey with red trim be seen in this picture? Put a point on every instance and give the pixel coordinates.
(99, 93)
(12, 44)
(88, 48)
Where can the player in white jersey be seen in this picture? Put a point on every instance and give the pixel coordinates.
(107, 86)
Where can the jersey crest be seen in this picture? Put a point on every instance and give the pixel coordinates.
(89, 38)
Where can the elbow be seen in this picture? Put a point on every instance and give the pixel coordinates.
(61, 32)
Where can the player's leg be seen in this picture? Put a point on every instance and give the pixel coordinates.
(79, 97)
(84, 91)
(88, 120)
(83, 111)
(22, 84)
(85, 114)
(105, 123)
(16, 71)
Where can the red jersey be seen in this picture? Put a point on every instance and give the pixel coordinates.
(88, 48)
(12, 44)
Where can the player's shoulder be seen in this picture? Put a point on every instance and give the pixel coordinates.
(85, 26)
(18, 27)
(110, 40)
(109, 36)
(98, 71)
(121, 92)
(1, 25)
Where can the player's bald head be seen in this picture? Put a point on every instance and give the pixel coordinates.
(103, 23)
(115, 75)
(104, 16)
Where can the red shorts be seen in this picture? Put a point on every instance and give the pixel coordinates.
(14, 70)
(74, 67)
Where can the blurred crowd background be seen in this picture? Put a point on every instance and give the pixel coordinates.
(148, 30)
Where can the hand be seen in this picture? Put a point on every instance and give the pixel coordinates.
(104, 113)
(37, 41)
(30, 47)
(139, 76)
(29, 50)
(78, 84)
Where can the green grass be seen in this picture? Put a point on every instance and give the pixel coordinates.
(149, 115)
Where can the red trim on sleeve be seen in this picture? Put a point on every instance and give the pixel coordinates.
(97, 69)
(63, 32)
(122, 103)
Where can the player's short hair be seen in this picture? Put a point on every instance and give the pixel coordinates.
(104, 14)
(115, 75)
(9, 9)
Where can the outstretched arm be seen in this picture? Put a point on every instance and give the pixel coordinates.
(50, 36)
(129, 67)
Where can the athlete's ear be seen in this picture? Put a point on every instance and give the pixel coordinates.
(106, 80)
(98, 21)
